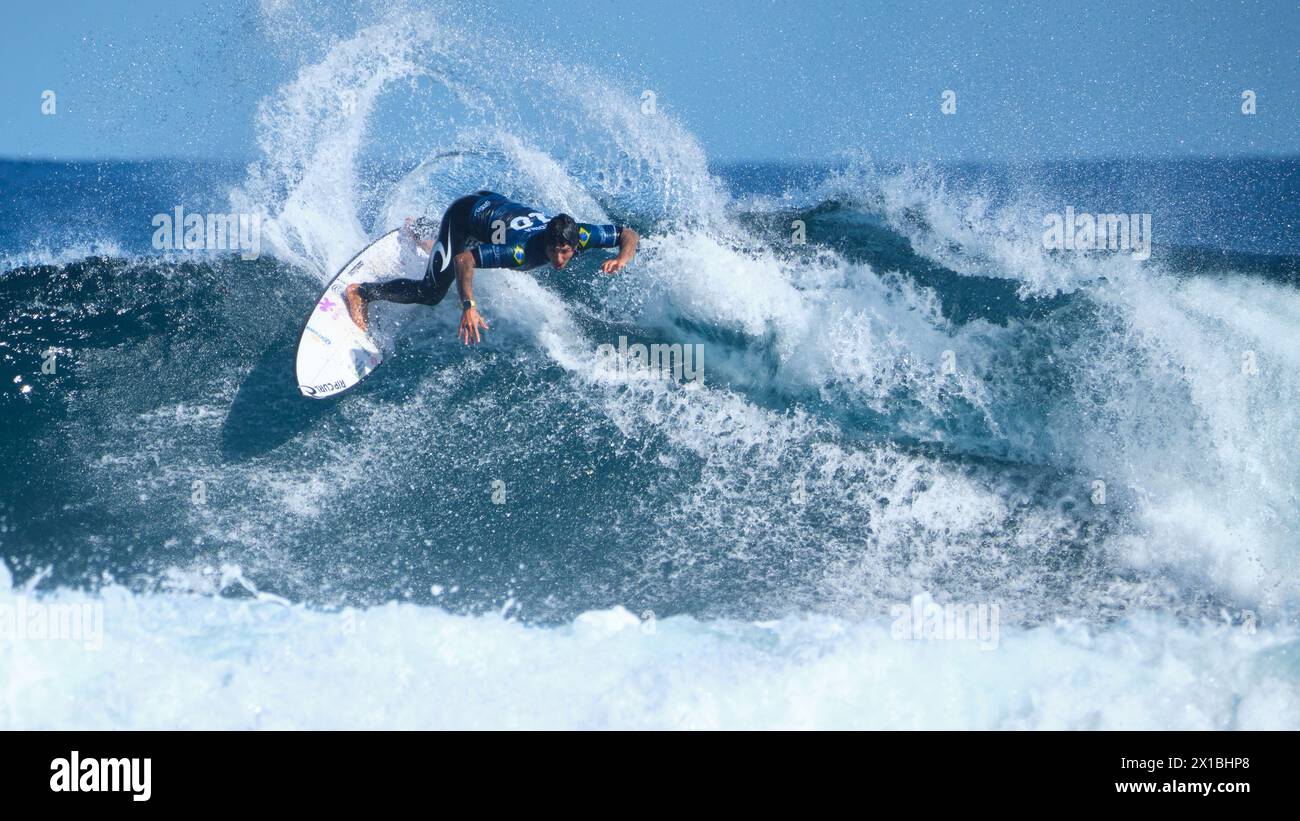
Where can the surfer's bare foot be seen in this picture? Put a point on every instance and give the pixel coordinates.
(358, 308)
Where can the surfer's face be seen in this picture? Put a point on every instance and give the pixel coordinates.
(559, 255)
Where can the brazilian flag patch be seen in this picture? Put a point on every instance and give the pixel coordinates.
(519, 255)
(584, 236)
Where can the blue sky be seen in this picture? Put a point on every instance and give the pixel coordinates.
(752, 80)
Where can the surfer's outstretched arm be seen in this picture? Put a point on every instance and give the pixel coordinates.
(628, 240)
(470, 321)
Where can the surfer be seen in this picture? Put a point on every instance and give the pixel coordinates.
(487, 230)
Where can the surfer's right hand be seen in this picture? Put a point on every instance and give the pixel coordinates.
(470, 324)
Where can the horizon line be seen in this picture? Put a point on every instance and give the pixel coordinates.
(1259, 155)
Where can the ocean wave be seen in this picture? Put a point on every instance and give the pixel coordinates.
(903, 393)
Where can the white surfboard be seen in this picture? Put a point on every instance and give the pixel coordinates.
(333, 353)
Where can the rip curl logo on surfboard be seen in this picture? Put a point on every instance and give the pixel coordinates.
(327, 388)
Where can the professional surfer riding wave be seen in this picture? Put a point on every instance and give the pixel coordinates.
(488, 230)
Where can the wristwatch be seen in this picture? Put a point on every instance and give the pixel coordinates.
(466, 304)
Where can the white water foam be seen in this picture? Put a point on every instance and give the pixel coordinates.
(61, 256)
(1181, 392)
(188, 662)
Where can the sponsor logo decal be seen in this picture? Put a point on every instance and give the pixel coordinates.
(327, 387)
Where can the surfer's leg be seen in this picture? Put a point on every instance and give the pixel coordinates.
(358, 296)
(438, 274)
(440, 271)
(407, 291)
(427, 291)
(404, 291)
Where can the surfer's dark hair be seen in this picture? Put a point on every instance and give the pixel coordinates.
(561, 230)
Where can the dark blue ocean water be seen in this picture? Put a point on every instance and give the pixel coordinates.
(174, 368)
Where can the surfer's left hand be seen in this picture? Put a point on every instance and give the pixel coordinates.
(470, 324)
(613, 266)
